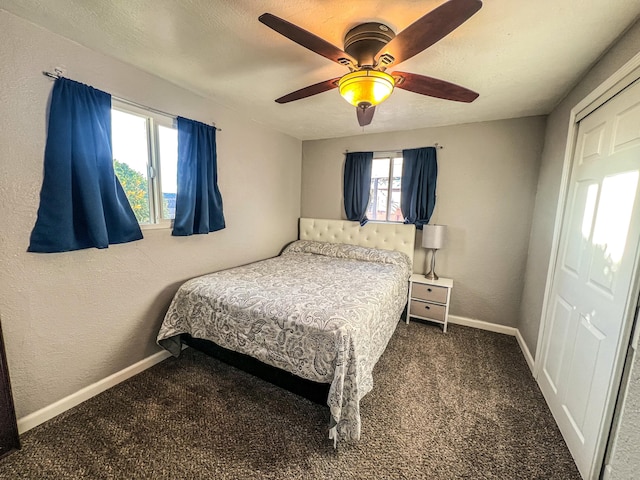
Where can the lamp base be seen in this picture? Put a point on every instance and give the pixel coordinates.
(431, 275)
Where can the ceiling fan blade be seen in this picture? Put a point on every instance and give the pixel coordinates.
(306, 39)
(365, 115)
(430, 28)
(305, 92)
(433, 87)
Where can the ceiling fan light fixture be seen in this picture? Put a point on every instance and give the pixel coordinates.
(366, 88)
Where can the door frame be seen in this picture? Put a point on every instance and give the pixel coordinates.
(621, 79)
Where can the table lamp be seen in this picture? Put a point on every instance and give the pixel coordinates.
(433, 237)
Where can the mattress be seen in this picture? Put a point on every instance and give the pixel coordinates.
(322, 311)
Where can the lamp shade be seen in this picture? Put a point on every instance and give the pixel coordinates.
(433, 236)
(366, 88)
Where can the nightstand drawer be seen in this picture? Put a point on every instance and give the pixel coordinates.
(430, 293)
(427, 310)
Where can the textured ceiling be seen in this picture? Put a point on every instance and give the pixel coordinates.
(521, 56)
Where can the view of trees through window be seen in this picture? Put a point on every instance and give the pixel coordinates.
(136, 187)
(385, 206)
(139, 167)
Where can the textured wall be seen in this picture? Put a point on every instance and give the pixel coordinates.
(72, 319)
(549, 181)
(625, 459)
(486, 188)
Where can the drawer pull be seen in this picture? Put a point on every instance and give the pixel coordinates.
(427, 307)
(429, 290)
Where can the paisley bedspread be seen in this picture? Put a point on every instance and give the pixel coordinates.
(322, 311)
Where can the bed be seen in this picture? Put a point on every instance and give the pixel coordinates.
(322, 311)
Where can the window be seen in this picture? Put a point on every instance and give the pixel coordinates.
(145, 160)
(383, 206)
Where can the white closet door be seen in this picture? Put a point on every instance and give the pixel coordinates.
(595, 267)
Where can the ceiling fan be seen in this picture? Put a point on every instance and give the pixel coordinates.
(370, 48)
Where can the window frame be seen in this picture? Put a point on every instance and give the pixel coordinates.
(388, 155)
(153, 120)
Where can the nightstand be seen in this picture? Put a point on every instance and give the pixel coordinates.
(429, 299)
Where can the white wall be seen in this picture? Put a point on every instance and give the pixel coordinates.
(487, 173)
(72, 319)
(625, 459)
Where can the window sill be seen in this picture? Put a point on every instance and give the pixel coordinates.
(157, 226)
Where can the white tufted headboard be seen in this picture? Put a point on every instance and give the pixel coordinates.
(386, 236)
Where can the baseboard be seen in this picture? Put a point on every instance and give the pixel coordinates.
(482, 325)
(40, 416)
(47, 413)
(494, 327)
(525, 351)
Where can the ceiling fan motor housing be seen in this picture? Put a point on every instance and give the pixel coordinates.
(364, 41)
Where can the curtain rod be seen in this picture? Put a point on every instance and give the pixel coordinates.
(435, 145)
(124, 100)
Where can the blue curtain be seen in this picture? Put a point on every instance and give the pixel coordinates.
(357, 185)
(198, 200)
(82, 204)
(419, 174)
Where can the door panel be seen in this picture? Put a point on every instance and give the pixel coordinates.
(579, 225)
(558, 341)
(626, 130)
(598, 249)
(580, 379)
(592, 144)
(612, 228)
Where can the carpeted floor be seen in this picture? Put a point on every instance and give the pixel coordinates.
(444, 406)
